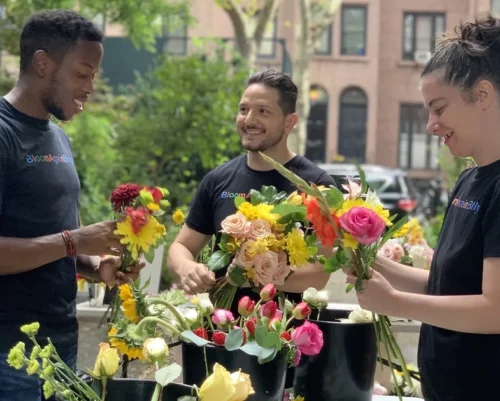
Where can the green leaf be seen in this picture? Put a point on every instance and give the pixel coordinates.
(187, 398)
(238, 201)
(236, 274)
(252, 348)
(149, 255)
(264, 359)
(332, 265)
(334, 197)
(285, 209)
(394, 228)
(349, 288)
(234, 339)
(189, 335)
(223, 242)
(362, 176)
(266, 338)
(218, 260)
(168, 374)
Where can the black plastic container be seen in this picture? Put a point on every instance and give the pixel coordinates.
(141, 390)
(268, 379)
(344, 370)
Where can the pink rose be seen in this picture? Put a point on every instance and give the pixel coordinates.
(259, 228)
(363, 224)
(236, 225)
(296, 358)
(308, 338)
(392, 251)
(266, 265)
(283, 269)
(244, 257)
(222, 318)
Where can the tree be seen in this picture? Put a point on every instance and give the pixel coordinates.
(142, 27)
(250, 19)
(315, 17)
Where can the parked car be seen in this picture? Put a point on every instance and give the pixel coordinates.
(393, 186)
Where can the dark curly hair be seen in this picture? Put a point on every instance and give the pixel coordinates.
(469, 55)
(55, 32)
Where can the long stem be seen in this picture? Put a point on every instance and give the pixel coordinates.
(210, 324)
(104, 382)
(206, 362)
(391, 366)
(156, 394)
(172, 308)
(160, 322)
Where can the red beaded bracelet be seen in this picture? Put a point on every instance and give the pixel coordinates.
(70, 245)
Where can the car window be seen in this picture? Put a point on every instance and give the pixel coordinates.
(383, 183)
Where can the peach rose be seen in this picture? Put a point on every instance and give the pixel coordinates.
(282, 271)
(243, 257)
(236, 225)
(392, 251)
(259, 228)
(266, 265)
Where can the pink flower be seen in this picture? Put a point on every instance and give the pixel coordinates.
(353, 188)
(244, 257)
(392, 251)
(308, 338)
(266, 265)
(296, 359)
(283, 269)
(363, 224)
(268, 292)
(268, 309)
(222, 317)
(259, 228)
(245, 306)
(301, 311)
(236, 225)
(378, 389)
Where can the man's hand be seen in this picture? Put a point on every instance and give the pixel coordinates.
(110, 274)
(195, 278)
(97, 239)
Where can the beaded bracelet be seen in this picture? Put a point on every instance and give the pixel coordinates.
(70, 245)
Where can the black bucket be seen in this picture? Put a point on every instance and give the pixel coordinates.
(140, 390)
(344, 370)
(268, 379)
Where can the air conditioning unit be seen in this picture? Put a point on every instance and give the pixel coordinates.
(422, 56)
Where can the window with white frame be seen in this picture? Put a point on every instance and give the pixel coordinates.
(420, 32)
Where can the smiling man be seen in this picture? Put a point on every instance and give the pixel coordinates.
(41, 243)
(264, 121)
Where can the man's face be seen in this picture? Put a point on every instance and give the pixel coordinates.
(260, 121)
(71, 81)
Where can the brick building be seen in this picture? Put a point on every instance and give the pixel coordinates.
(365, 96)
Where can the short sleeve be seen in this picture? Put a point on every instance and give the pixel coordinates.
(491, 226)
(4, 166)
(201, 215)
(326, 180)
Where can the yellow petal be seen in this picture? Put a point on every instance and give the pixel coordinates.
(218, 386)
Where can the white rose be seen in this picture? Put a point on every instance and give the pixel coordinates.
(204, 303)
(311, 296)
(359, 315)
(323, 297)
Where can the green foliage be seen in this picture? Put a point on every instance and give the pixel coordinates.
(141, 27)
(452, 166)
(182, 124)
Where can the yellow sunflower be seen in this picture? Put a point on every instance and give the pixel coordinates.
(123, 347)
(141, 241)
(296, 248)
(128, 303)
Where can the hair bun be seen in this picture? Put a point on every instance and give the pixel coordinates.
(481, 33)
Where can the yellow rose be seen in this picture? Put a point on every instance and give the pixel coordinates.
(242, 385)
(218, 386)
(106, 364)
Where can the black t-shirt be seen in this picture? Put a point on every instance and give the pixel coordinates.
(458, 366)
(39, 190)
(214, 199)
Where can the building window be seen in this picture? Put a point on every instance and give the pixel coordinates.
(417, 148)
(495, 8)
(175, 33)
(324, 44)
(353, 30)
(268, 44)
(420, 32)
(352, 124)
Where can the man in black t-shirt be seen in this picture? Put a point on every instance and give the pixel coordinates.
(265, 119)
(41, 244)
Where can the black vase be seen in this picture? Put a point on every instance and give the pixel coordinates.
(140, 390)
(268, 379)
(344, 370)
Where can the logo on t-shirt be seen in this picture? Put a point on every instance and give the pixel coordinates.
(232, 195)
(49, 159)
(473, 206)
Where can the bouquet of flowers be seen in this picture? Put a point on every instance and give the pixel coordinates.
(359, 226)
(137, 208)
(409, 247)
(261, 243)
(263, 328)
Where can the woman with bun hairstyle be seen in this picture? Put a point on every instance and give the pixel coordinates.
(458, 300)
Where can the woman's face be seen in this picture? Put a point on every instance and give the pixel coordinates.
(454, 116)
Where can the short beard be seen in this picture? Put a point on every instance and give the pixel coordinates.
(266, 145)
(49, 101)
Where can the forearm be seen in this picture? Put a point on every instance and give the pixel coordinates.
(464, 313)
(88, 266)
(403, 278)
(312, 275)
(19, 255)
(178, 255)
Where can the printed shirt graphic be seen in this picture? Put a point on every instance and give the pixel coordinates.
(39, 191)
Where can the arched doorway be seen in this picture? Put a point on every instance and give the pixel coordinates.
(316, 124)
(352, 124)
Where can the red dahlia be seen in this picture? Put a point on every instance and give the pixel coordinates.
(124, 195)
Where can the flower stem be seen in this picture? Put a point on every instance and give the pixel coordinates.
(160, 322)
(210, 324)
(205, 359)
(172, 308)
(156, 394)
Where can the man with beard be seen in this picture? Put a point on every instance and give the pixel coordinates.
(265, 119)
(41, 243)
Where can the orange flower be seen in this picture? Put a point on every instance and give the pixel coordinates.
(322, 225)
